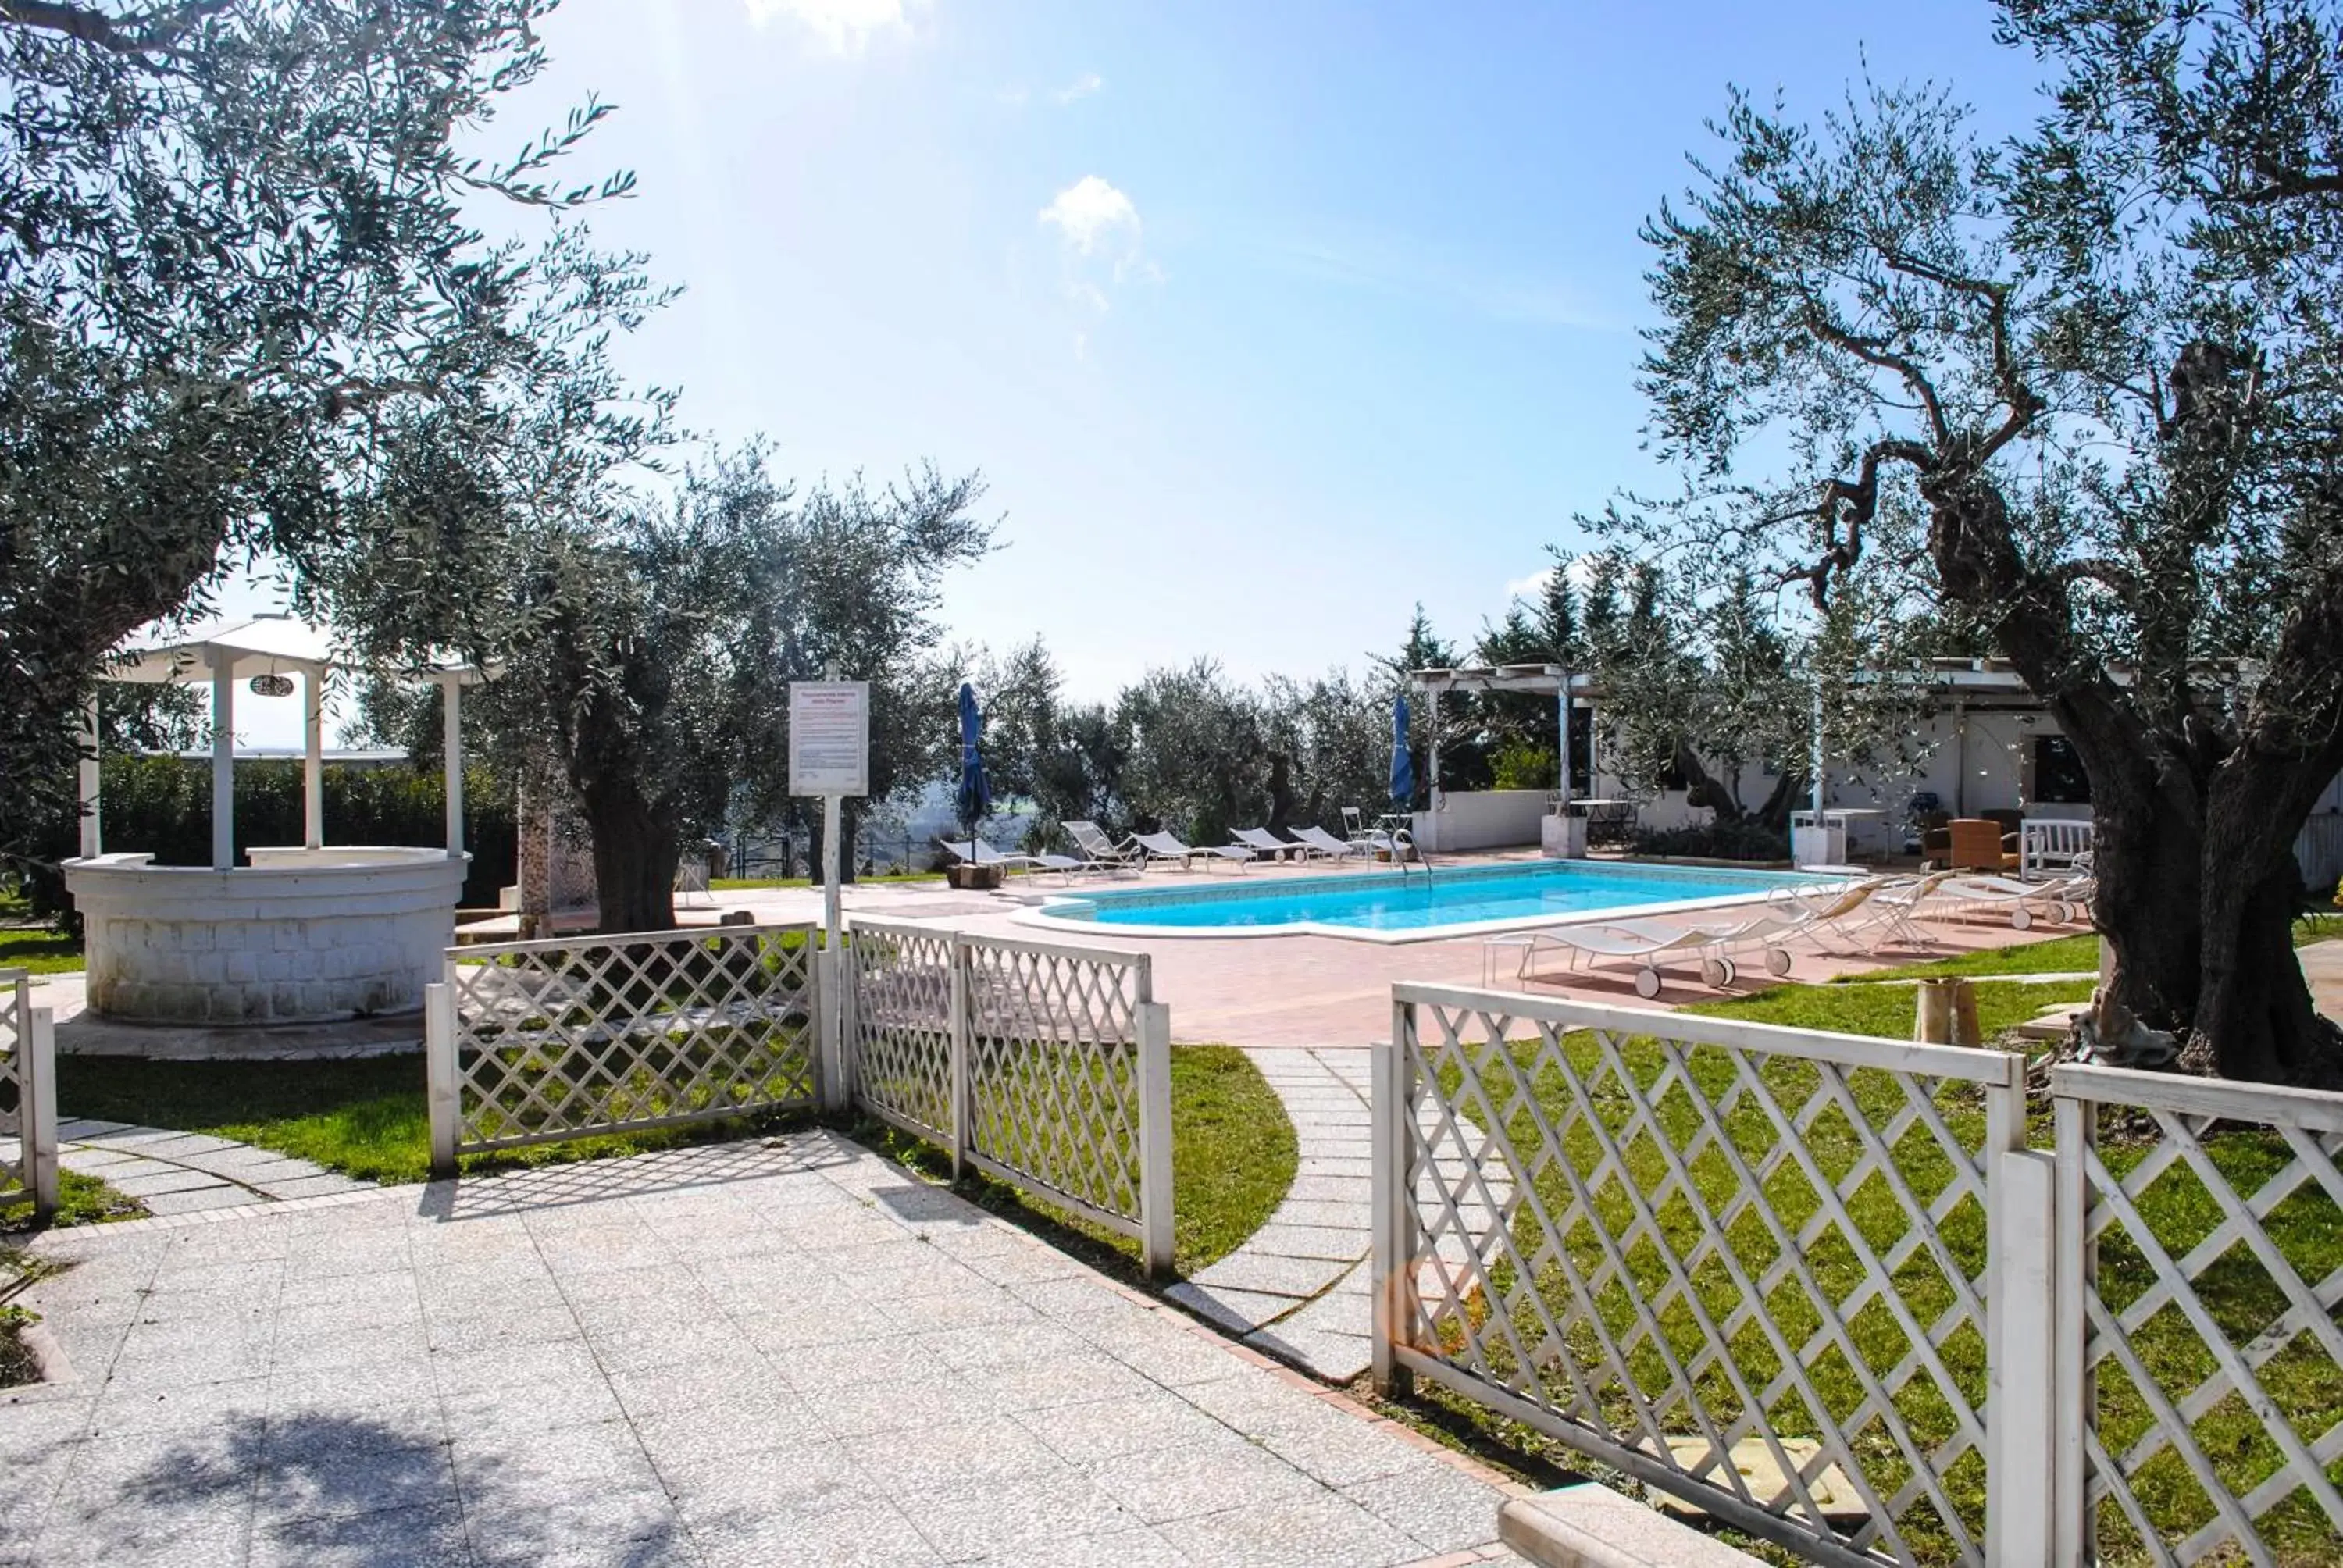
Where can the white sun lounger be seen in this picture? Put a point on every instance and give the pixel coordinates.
(1164, 847)
(1319, 841)
(2056, 901)
(1643, 944)
(1100, 853)
(977, 852)
(1270, 844)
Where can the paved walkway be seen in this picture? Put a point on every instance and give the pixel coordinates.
(737, 1353)
(190, 1172)
(1297, 1288)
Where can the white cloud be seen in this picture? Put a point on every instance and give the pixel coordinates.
(1094, 218)
(1081, 86)
(843, 26)
(1582, 572)
(1098, 235)
(1012, 97)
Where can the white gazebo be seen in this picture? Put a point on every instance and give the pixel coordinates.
(301, 934)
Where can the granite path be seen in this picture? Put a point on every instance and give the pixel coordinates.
(776, 1352)
(190, 1172)
(1297, 1287)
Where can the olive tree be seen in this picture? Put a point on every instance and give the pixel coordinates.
(659, 641)
(2096, 371)
(237, 252)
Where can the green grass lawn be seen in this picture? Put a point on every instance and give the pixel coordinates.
(2075, 954)
(1233, 1152)
(81, 1201)
(42, 952)
(2308, 1227)
(1886, 1010)
(363, 1117)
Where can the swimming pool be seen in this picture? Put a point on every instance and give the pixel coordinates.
(1395, 906)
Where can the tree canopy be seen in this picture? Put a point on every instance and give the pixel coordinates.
(236, 275)
(2080, 389)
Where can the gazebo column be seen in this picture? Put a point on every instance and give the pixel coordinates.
(451, 755)
(313, 757)
(223, 667)
(93, 842)
(1562, 731)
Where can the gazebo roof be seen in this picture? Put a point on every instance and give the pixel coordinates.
(266, 645)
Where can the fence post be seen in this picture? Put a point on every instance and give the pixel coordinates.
(1390, 1279)
(2072, 1393)
(832, 985)
(962, 1028)
(442, 1090)
(37, 1109)
(1156, 1241)
(2020, 1221)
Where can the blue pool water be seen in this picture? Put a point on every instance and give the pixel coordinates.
(1417, 900)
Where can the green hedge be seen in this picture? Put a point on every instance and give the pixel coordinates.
(162, 805)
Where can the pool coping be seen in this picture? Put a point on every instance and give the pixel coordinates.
(1040, 916)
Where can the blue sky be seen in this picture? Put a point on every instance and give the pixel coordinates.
(1264, 320)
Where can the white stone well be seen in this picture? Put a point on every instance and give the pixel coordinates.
(303, 934)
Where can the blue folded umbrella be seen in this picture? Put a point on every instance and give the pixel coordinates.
(974, 798)
(1403, 773)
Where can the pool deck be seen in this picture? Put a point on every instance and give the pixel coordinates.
(1263, 990)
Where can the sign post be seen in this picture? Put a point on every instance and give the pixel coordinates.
(829, 756)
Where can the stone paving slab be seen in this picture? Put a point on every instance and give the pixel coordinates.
(1317, 1239)
(190, 1172)
(787, 1352)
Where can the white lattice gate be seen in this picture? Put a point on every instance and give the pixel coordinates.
(1045, 1066)
(1725, 1242)
(2201, 1382)
(531, 1042)
(28, 1107)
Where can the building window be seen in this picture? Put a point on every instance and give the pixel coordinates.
(2058, 776)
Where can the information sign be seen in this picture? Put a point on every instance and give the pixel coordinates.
(830, 738)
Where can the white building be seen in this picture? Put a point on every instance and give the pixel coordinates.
(1992, 747)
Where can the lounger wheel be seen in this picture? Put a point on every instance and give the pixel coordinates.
(2021, 917)
(1777, 960)
(2062, 913)
(1647, 983)
(1718, 973)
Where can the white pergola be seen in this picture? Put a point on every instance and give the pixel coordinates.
(264, 649)
(1530, 679)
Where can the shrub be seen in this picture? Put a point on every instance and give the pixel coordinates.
(162, 805)
(1716, 841)
(1521, 766)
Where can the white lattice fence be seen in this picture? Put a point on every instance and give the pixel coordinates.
(898, 1027)
(1045, 1066)
(28, 1116)
(1721, 1234)
(530, 1042)
(2201, 1225)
